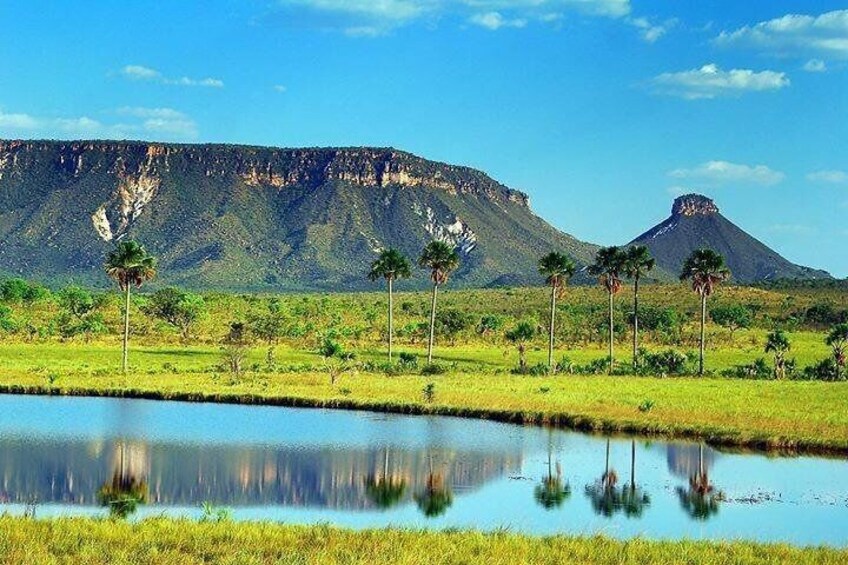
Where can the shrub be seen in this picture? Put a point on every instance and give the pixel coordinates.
(429, 392)
(646, 405)
(824, 370)
(667, 362)
(433, 369)
(759, 369)
(408, 360)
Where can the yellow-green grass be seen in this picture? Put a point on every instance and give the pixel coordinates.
(82, 541)
(764, 414)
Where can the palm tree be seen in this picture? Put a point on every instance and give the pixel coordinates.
(129, 264)
(706, 269)
(837, 339)
(557, 269)
(520, 335)
(441, 259)
(638, 263)
(609, 263)
(778, 343)
(391, 265)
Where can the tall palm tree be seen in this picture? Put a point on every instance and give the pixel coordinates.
(608, 266)
(557, 269)
(391, 265)
(441, 259)
(638, 263)
(837, 339)
(778, 343)
(705, 269)
(129, 264)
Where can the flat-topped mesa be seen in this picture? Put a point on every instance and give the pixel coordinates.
(693, 205)
(264, 166)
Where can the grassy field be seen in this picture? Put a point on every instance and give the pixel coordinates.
(163, 542)
(765, 414)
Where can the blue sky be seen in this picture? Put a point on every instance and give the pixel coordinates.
(602, 110)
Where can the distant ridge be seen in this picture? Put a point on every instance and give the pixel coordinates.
(696, 222)
(254, 218)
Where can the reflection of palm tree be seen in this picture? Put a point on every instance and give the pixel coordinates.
(436, 497)
(383, 490)
(607, 498)
(701, 499)
(124, 492)
(551, 492)
(633, 499)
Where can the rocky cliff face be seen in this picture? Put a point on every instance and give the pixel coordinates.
(693, 205)
(236, 216)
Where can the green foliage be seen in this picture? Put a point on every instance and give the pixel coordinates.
(759, 369)
(646, 405)
(178, 308)
(489, 324)
(390, 265)
(441, 259)
(20, 290)
(450, 322)
(732, 316)
(429, 392)
(666, 362)
(824, 370)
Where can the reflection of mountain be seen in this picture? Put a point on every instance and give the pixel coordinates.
(73, 472)
(682, 459)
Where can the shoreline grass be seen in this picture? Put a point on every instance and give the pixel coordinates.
(86, 541)
(787, 416)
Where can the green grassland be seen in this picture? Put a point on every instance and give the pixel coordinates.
(476, 377)
(82, 541)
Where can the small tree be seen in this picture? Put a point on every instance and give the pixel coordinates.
(522, 333)
(129, 264)
(557, 269)
(391, 265)
(235, 346)
(733, 317)
(778, 344)
(837, 339)
(178, 308)
(608, 266)
(705, 269)
(80, 313)
(441, 259)
(489, 324)
(637, 263)
(269, 326)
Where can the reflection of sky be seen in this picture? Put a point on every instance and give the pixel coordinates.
(802, 500)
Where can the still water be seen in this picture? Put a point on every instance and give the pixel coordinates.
(63, 456)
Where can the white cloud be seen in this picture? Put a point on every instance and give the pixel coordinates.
(678, 190)
(794, 34)
(142, 73)
(17, 121)
(371, 18)
(828, 176)
(724, 172)
(280, 88)
(710, 82)
(651, 32)
(815, 66)
(163, 123)
(494, 21)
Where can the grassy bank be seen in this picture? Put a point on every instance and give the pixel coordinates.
(762, 414)
(84, 541)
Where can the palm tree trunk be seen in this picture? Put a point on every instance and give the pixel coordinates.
(432, 325)
(551, 336)
(636, 322)
(703, 333)
(124, 359)
(391, 319)
(611, 330)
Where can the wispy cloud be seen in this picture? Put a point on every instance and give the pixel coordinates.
(828, 176)
(794, 34)
(725, 172)
(710, 81)
(815, 66)
(142, 73)
(651, 32)
(373, 18)
(280, 88)
(162, 123)
(494, 21)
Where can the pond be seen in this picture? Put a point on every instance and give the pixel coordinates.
(93, 456)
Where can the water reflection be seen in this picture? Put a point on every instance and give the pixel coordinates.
(356, 469)
(608, 498)
(552, 491)
(700, 499)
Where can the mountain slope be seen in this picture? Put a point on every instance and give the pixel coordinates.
(696, 222)
(237, 217)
